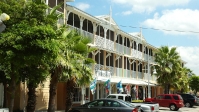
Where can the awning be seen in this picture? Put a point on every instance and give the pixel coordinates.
(126, 81)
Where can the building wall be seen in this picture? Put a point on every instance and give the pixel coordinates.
(42, 93)
(61, 97)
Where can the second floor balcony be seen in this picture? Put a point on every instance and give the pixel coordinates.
(112, 46)
(107, 72)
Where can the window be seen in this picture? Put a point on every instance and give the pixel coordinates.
(93, 104)
(190, 96)
(159, 97)
(175, 97)
(115, 104)
(120, 97)
(98, 103)
(128, 98)
(167, 97)
(111, 96)
(77, 95)
(108, 103)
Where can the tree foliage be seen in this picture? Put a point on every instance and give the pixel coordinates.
(168, 64)
(194, 83)
(29, 44)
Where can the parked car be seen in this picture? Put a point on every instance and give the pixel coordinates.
(197, 101)
(106, 105)
(173, 101)
(189, 100)
(145, 107)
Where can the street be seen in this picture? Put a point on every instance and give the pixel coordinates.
(184, 109)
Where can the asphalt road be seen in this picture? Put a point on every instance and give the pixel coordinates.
(184, 109)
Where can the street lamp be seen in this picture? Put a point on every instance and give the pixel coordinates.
(3, 17)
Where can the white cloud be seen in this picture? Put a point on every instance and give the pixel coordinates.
(140, 6)
(178, 19)
(82, 6)
(127, 12)
(191, 56)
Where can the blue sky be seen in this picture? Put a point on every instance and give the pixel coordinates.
(180, 17)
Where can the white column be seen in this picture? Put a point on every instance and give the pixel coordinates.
(64, 12)
(97, 91)
(144, 88)
(83, 95)
(149, 88)
(110, 87)
(81, 24)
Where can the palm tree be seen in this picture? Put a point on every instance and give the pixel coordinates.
(82, 76)
(168, 62)
(70, 65)
(183, 80)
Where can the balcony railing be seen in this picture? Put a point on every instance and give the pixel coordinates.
(88, 34)
(74, 28)
(119, 48)
(104, 71)
(119, 72)
(134, 74)
(109, 44)
(137, 54)
(127, 50)
(146, 57)
(99, 41)
(140, 75)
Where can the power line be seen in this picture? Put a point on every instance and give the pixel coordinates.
(168, 30)
(161, 29)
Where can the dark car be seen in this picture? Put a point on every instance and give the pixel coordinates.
(106, 105)
(189, 100)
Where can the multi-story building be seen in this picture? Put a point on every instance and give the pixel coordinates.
(119, 56)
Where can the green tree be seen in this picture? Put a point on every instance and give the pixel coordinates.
(71, 66)
(181, 83)
(29, 41)
(82, 74)
(168, 62)
(194, 83)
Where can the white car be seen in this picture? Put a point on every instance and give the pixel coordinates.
(145, 106)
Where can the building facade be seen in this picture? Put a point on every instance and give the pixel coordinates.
(119, 56)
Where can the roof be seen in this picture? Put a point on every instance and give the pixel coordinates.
(108, 19)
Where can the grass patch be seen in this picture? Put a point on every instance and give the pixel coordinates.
(137, 100)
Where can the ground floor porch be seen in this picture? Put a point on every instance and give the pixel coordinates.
(137, 89)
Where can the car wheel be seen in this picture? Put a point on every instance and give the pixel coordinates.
(176, 109)
(187, 104)
(172, 107)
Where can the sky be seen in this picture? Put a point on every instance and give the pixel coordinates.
(173, 23)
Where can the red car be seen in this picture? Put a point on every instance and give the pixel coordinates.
(173, 101)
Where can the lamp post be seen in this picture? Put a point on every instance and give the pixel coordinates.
(3, 17)
(148, 74)
(149, 88)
